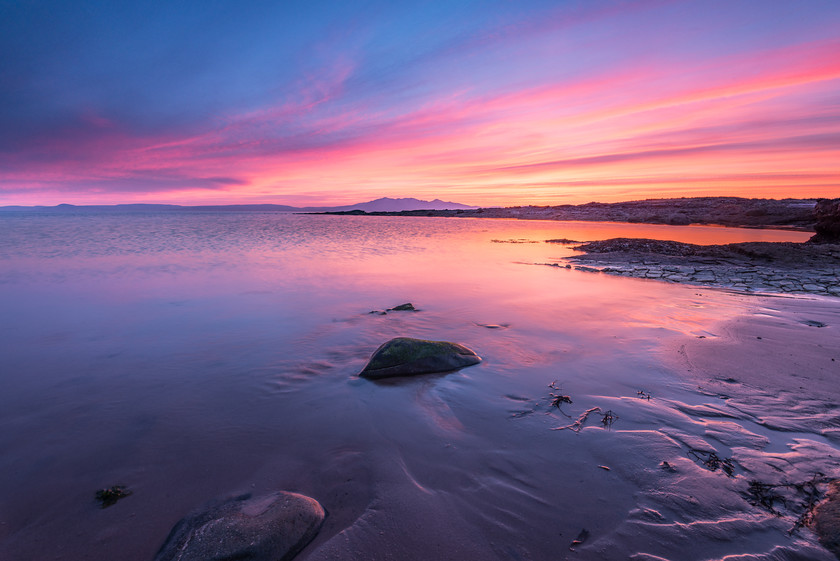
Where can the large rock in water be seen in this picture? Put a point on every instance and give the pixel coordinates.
(827, 228)
(273, 527)
(404, 356)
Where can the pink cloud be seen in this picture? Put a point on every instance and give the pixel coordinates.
(661, 126)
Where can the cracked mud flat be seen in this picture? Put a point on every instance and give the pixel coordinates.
(750, 267)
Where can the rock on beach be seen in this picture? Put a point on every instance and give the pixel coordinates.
(273, 527)
(405, 356)
(827, 519)
(827, 228)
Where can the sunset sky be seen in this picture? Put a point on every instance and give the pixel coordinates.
(485, 103)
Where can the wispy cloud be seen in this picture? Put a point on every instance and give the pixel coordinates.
(600, 101)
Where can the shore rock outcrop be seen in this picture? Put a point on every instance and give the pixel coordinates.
(826, 520)
(780, 267)
(404, 356)
(827, 227)
(273, 527)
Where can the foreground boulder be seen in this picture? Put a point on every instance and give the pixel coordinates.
(827, 228)
(272, 527)
(404, 356)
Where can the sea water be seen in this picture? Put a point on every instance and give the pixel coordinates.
(192, 356)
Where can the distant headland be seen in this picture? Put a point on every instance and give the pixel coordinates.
(797, 214)
(384, 204)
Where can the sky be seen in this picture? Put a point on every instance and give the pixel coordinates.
(491, 103)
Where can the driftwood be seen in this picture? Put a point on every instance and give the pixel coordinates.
(578, 425)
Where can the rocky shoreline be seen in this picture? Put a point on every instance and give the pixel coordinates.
(761, 267)
(795, 214)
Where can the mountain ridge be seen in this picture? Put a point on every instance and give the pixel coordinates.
(382, 204)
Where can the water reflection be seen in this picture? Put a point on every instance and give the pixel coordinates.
(196, 356)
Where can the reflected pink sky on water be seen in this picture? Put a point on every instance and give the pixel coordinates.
(193, 356)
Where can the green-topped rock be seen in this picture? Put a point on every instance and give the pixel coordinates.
(404, 356)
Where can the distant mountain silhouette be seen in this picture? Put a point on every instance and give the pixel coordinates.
(384, 204)
(387, 204)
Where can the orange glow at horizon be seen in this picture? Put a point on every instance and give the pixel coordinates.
(757, 125)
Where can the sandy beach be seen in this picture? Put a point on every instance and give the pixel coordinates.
(778, 365)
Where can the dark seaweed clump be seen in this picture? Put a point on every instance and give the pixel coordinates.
(111, 495)
(712, 462)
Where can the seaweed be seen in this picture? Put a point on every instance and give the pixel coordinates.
(111, 495)
(712, 462)
(555, 400)
(558, 399)
(812, 497)
(764, 495)
(608, 419)
(767, 496)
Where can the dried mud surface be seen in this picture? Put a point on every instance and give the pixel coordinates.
(767, 267)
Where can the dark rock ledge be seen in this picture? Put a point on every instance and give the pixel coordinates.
(765, 267)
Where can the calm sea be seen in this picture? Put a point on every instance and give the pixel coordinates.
(193, 356)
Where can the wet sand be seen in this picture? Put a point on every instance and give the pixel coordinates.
(784, 352)
(777, 366)
(758, 391)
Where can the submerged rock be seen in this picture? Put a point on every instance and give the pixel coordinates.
(407, 307)
(826, 519)
(272, 527)
(404, 356)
